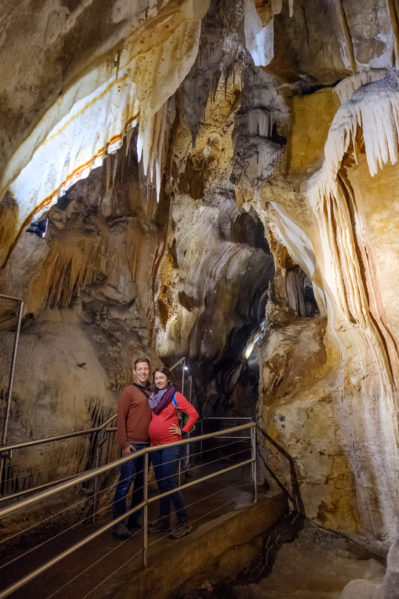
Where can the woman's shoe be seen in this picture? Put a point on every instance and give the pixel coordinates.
(160, 525)
(120, 531)
(181, 529)
(134, 525)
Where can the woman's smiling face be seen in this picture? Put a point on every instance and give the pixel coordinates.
(160, 380)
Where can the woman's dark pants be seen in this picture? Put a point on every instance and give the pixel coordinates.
(166, 463)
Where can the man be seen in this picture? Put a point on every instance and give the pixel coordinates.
(133, 419)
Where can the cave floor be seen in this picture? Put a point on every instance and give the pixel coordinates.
(318, 564)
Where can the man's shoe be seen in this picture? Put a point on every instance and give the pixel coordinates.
(181, 529)
(160, 525)
(133, 524)
(121, 531)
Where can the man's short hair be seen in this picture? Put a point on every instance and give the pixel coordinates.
(141, 360)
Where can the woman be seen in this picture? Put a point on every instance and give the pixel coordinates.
(166, 403)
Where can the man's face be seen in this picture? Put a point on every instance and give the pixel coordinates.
(141, 372)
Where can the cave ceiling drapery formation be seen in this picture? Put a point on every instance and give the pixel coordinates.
(247, 191)
(104, 104)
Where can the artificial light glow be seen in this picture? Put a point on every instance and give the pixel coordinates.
(253, 341)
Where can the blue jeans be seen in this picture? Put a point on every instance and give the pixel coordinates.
(131, 472)
(166, 463)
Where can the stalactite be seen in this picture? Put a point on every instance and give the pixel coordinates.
(114, 169)
(346, 87)
(90, 120)
(294, 284)
(107, 174)
(68, 269)
(374, 107)
(151, 146)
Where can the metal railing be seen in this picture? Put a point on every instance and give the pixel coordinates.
(294, 495)
(206, 419)
(8, 449)
(6, 511)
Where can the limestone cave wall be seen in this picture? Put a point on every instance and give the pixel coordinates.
(243, 196)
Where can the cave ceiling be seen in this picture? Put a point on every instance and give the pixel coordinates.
(220, 181)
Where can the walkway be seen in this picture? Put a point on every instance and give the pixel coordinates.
(227, 531)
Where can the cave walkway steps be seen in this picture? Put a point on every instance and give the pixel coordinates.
(228, 533)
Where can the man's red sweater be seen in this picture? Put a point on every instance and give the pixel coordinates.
(134, 415)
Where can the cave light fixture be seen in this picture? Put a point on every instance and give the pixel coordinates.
(39, 227)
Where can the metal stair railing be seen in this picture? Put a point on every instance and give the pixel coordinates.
(295, 494)
(206, 419)
(7, 450)
(24, 503)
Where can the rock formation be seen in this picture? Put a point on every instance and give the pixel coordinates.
(220, 183)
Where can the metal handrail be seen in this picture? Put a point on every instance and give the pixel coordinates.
(295, 495)
(44, 440)
(144, 504)
(176, 364)
(97, 429)
(204, 418)
(85, 476)
(9, 448)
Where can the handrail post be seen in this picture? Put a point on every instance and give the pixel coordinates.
(190, 393)
(96, 465)
(187, 460)
(10, 383)
(145, 518)
(253, 456)
(183, 369)
(201, 433)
